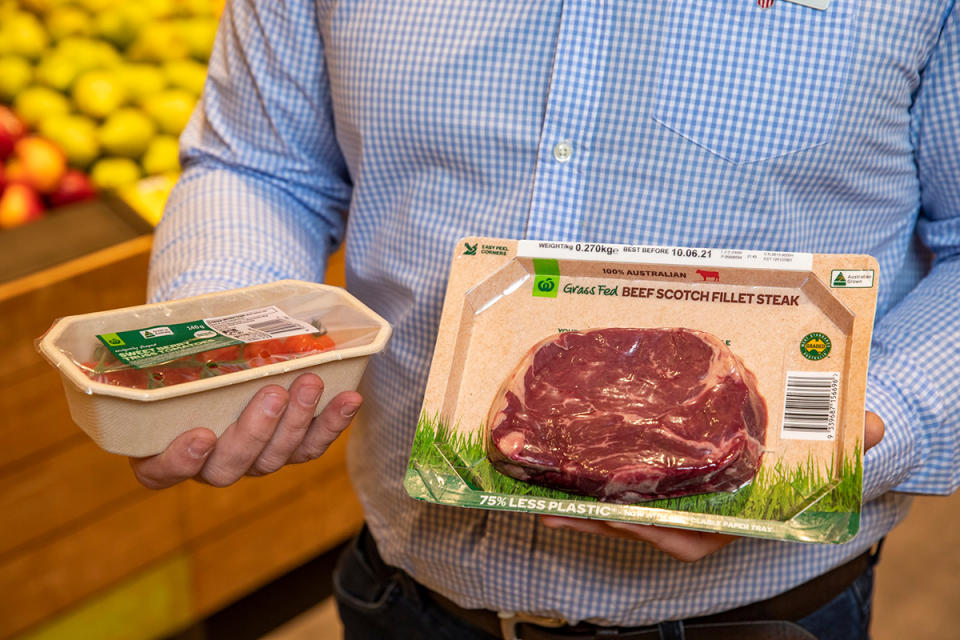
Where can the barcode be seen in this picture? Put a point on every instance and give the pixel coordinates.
(274, 327)
(810, 405)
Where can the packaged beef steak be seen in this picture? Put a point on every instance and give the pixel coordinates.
(711, 389)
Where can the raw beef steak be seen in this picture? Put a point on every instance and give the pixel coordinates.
(629, 414)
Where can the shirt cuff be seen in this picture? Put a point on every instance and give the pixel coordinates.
(912, 457)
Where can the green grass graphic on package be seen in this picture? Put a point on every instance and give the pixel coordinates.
(796, 503)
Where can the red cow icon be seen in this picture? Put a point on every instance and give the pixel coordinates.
(709, 275)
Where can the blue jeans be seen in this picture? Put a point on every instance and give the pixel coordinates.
(374, 606)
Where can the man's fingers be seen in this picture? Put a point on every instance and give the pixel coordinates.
(245, 439)
(680, 544)
(304, 394)
(331, 422)
(277, 427)
(873, 429)
(182, 460)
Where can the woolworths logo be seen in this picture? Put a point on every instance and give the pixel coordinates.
(547, 277)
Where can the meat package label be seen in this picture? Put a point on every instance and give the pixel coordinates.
(711, 389)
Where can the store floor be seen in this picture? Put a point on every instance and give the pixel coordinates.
(918, 582)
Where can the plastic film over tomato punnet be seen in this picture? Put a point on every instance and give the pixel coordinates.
(137, 377)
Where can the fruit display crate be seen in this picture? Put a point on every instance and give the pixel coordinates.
(75, 231)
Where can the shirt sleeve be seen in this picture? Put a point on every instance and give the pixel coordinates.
(914, 377)
(264, 189)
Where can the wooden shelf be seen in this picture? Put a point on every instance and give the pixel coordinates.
(85, 551)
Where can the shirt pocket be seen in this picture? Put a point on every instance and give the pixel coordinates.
(749, 84)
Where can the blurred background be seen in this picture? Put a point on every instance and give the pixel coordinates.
(93, 94)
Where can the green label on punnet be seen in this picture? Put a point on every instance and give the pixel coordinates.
(162, 343)
(155, 345)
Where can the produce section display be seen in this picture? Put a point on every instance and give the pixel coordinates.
(93, 95)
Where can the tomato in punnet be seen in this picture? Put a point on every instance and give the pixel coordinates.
(258, 354)
(127, 377)
(223, 360)
(206, 364)
(308, 343)
(174, 373)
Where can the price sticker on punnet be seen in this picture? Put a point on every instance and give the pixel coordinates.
(136, 378)
(710, 389)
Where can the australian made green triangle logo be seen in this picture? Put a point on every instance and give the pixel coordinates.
(839, 281)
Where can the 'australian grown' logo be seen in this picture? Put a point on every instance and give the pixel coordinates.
(815, 346)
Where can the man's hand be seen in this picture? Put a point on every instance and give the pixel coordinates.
(682, 544)
(276, 428)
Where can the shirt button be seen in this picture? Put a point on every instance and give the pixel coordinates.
(562, 151)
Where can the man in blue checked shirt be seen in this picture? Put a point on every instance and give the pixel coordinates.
(400, 127)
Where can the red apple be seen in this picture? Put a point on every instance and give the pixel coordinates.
(11, 130)
(74, 186)
(19, 204)
(39, 162)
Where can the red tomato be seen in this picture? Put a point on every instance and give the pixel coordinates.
(173, 373)
(309, 343)
(223, 360)
(129, 377)
(208, 363)
(258, 354)
(221, 355)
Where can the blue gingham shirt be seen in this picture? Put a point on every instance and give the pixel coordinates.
(402, 126)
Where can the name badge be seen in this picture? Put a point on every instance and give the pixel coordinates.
(820, 5)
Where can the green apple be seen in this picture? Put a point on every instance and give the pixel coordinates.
(201, 7)
(159, 8)
(34, 104)
(22, 34)
(141, 79)
(199, 34)
(120, 24)
(89, 53)
(98, 93)
(161, 156)
(16, 74)
(95, 6)
(170, 109)
(186, 74)
(127, 132)
(57, 71)
(42, 6)
(157, 42)
(113, 173)
(67, 21)
(76, 136)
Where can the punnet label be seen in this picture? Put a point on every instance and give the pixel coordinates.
(155, 345)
